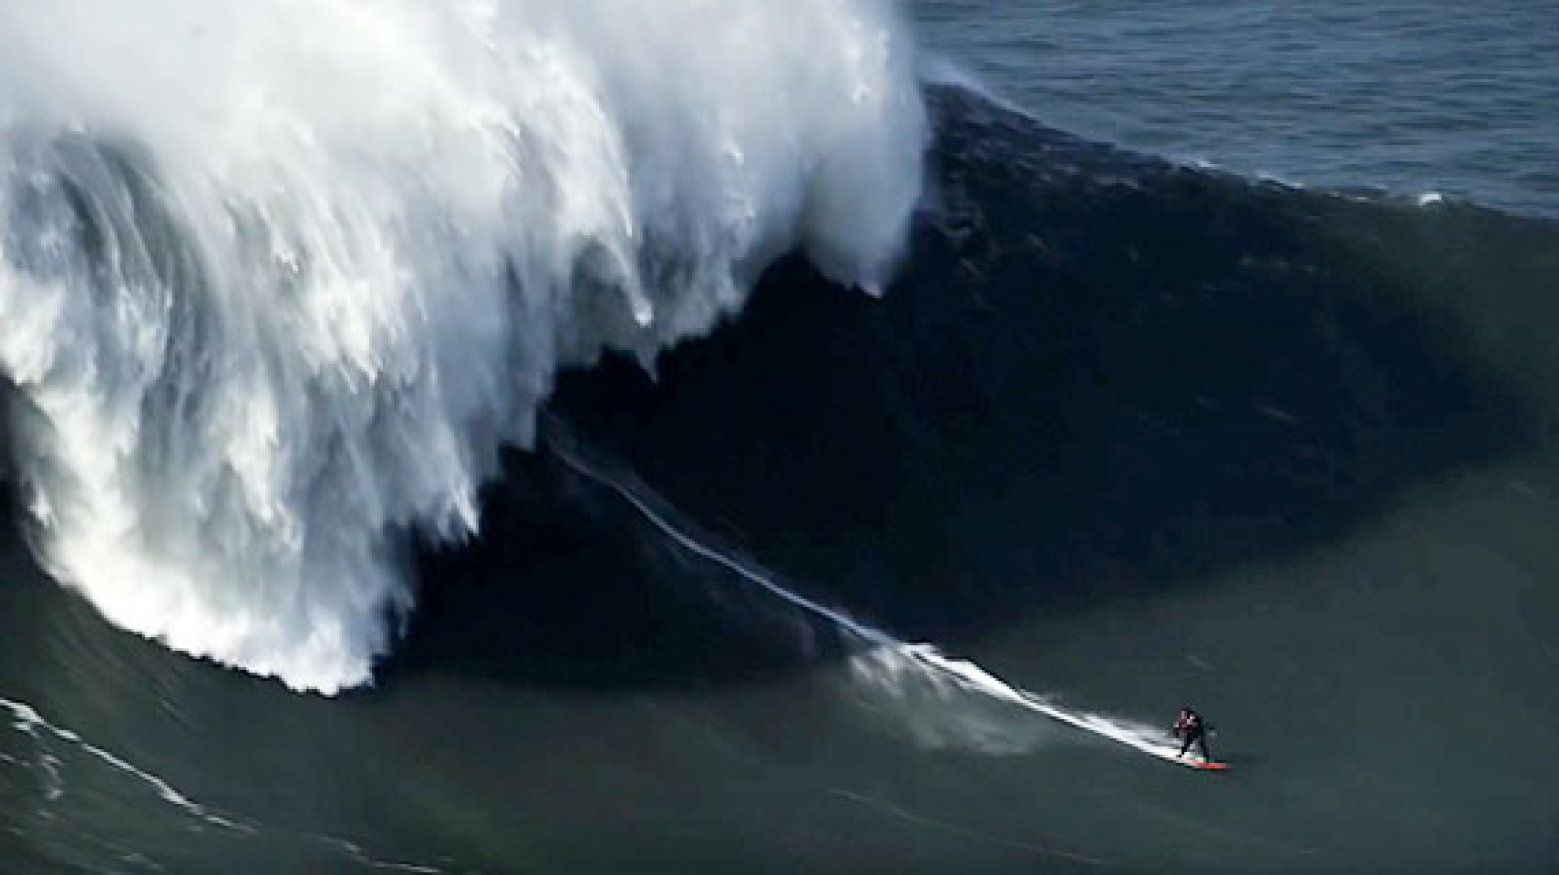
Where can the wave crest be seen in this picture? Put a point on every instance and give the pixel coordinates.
(277, 280)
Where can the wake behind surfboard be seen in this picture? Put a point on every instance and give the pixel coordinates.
(1190, 760)
(968, 675)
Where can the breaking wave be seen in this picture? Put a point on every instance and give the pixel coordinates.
(277, 280)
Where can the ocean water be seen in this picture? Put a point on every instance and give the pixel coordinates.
(830, 437)
(1411, 98)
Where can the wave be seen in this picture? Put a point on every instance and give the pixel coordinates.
(277, 280)
(1101, 375)
(906, 674)
(268, 326)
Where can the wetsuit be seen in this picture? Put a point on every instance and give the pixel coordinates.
(1190, 728)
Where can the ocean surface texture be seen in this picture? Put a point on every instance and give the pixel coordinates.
(575, 436)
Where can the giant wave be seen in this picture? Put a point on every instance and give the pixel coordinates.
(277, 280)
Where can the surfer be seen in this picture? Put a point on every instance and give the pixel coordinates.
(1189, 727)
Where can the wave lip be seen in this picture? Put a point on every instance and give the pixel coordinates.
(276, 281)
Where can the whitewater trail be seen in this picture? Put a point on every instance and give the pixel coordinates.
(892, 658)
(26, 720)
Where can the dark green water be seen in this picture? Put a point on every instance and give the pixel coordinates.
(1125, 435)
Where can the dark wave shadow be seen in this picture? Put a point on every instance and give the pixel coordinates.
(568, 586)
(1099, 375)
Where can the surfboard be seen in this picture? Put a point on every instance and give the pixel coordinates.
(1204, 765)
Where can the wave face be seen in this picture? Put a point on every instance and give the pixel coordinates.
(1101, 375)
(278, 279)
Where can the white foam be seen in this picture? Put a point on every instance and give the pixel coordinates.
(25, 719)
(278, 277)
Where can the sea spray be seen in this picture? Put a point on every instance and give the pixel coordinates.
(277, 279)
